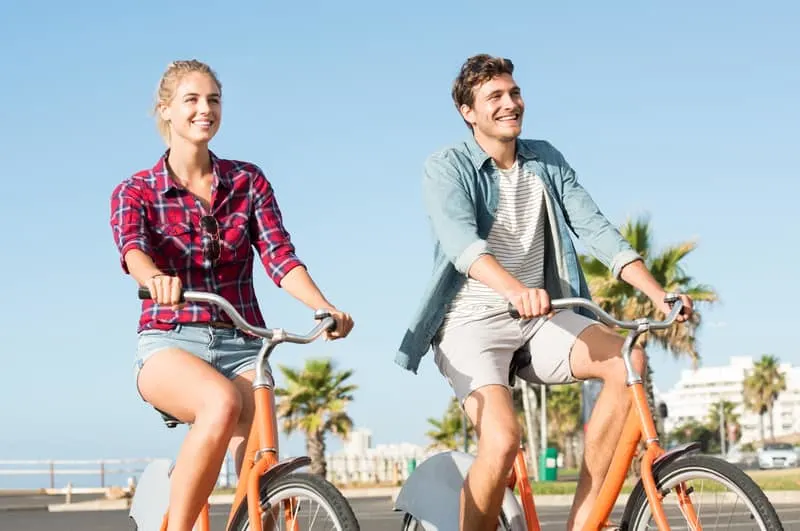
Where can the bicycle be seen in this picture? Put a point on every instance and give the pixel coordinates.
(430, 496)
(266, 485)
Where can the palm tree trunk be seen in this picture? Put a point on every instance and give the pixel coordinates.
(567, 448)
(578, 442)
(529, 409)
(315, 447)
(761, 426)
(771, 422)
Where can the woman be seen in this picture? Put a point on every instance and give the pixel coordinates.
(192, 221)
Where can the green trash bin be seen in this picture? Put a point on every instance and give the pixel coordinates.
(548, 465)
(412, 465)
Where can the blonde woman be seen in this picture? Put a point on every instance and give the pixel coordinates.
(195, 221)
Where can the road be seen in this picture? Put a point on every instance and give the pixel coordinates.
(373, 514)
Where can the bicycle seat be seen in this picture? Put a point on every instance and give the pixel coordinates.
(169, 420)
(520, 360)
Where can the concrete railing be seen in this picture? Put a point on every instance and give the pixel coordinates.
(101, 469)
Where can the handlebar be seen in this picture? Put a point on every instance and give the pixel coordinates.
(326, 322)
(602, 315)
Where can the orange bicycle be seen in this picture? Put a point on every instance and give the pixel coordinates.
(670, 494)
(271, 494)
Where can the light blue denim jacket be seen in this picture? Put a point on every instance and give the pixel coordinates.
(460, 192)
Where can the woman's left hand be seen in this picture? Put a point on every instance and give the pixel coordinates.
(344, 323)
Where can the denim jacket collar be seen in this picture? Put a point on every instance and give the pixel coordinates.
(479, 157)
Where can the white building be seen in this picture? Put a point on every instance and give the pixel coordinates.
(360, 462)
(358, 442)
(697, 390)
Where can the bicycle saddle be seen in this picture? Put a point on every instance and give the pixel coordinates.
(520, 360)
(169, 420)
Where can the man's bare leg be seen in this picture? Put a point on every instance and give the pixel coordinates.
(491, 410)
(597, 354)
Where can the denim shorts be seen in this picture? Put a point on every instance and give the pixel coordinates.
(228, 350)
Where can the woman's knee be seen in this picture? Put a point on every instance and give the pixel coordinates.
(222, 409)
(639, 360)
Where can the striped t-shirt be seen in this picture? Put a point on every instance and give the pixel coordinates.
(516, 240)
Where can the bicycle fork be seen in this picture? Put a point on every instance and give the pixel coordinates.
(653, 449)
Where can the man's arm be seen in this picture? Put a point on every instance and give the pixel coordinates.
(451, 212)
(637, 275)
(590, 225)
(529, 302)
(605, 241)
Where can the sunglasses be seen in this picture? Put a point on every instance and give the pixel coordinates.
(210, 240)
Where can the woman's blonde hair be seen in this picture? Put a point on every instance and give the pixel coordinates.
(169, 82)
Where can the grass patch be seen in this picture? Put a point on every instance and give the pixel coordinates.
(765, 479)
(777, 479)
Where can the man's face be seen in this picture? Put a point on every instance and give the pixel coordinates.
(497, 110)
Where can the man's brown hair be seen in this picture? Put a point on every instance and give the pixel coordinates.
(476, 71)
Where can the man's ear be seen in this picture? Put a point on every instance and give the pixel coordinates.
(467, 113)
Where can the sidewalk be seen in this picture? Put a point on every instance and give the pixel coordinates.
(39, 502)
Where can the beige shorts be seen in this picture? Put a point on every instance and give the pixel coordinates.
(477, 353)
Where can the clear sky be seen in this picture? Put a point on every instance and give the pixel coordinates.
(687, 111)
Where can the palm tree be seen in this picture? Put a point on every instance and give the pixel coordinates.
(314, 402)
(564, 415)
(726, 410)
(448, 433)
(623, 301)
(762, 385)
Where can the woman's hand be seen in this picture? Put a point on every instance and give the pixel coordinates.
(165, 290)
(344, 324)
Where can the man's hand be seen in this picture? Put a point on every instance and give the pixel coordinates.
(530, 303)
(686, 311)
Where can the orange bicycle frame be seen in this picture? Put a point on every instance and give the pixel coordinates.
(638, 426)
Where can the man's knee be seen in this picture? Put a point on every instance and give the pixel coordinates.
(497, 426)
(500, 443)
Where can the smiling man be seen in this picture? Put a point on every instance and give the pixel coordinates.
(502, 209)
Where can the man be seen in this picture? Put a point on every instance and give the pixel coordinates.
(501, 209)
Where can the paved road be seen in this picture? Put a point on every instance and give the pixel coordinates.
(373, 514)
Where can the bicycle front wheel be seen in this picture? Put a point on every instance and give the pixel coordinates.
(304, 502)
(718, 496)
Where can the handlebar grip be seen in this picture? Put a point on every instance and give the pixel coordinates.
(672, 299)
(513, 312)
(319, 315)
(144, 293)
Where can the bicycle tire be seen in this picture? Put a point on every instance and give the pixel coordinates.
(318, 486)
(410, 523)
(707, 465)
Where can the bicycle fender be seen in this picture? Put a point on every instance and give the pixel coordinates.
(432, 494)
(151, 497)
(282, 468)
(675, 453)
(278, 470)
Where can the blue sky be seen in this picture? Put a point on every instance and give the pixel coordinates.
(686, 112)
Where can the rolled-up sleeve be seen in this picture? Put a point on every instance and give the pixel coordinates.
(590, 225)
(129, 221)
(451, 212)
(268, 233)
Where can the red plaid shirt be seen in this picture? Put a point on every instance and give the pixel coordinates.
(151, 213)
